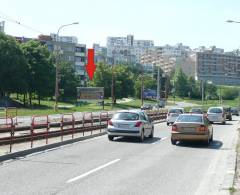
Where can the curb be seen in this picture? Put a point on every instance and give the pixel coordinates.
(22, 153)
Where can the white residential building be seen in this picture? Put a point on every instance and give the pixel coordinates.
(2, 24)
(126, 49)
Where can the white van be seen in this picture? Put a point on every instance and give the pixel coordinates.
(216, 114)
(173, 114)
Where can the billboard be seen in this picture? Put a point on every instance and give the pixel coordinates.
(90, 93)
(149, 94)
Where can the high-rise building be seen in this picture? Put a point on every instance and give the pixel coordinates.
(70, 51)
(2, 25)
(127, 49)
(100, 53)
(219, 68)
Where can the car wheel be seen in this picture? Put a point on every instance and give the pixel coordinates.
(167, 124)
(230, 118)
(207, 142)
(173, 141)
(211, 139)
(152, 132)
(141, 138)
(110, 138)
(224, 122)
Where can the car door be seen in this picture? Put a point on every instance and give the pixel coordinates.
(145, 123)
(149, 123)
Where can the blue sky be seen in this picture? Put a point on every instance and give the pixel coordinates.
(194, 23)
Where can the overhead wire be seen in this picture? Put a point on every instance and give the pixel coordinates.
(10, 19)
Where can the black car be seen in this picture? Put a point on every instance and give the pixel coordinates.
(228, 113)
(235, 111)
(146, 107)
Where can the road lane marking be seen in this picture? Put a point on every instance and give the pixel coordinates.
(92, 171)
(162, 139)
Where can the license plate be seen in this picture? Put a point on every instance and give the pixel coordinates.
(123, 126)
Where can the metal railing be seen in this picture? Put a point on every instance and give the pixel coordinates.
(45, 127)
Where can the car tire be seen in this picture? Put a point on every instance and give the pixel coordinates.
(110, 137)
(211, 138)
(141, 138)
(224, 122)
(207, 142)
(167, 124)
(152, 132)
(230, 118)
(173, 141)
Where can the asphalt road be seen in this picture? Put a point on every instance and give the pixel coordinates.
(125, 166)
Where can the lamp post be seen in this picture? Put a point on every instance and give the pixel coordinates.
(57, 65)
(158, 81)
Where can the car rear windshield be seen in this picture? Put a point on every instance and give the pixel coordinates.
(189, 118)
(196, 110)
(215, 110)
(129, 116)
(175, 111)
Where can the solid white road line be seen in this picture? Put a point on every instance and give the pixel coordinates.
(163, 138)
(92, 171)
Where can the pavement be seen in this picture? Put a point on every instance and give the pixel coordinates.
(126, 166)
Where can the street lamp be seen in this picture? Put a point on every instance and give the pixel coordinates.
(57, 64)
(158, 80)
(232, 21)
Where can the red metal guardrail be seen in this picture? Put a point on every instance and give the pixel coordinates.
(42, 127)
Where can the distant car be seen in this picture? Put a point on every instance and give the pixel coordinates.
(196, 111)
(235, 111)
(173, 114)
(228, 113)
(133, 123)
(216, 114)
(146, 107)
(192, 127)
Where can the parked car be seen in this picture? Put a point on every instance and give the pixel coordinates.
(173, 114)
(228, 113)
(146, 107)
(235, 111)
(216, 114)
(192, 127)
(132, 123)
(196, 111)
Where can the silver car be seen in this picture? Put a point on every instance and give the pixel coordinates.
(216, 114)
(132, 123)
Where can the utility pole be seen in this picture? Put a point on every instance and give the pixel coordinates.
(112, 90)
(158, 85)
(202, 92)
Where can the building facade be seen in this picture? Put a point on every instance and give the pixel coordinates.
(219, 68)
(2, 25)
(70, 51)
(127, 49)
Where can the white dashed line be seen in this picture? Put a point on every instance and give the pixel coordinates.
(92, 171)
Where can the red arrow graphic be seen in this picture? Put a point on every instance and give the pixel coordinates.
(90, 67)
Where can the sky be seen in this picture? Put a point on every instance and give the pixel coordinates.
(191, 22)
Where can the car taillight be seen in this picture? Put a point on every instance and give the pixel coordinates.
(138, 124)
(110, 123)
(174, 128)
(203, 128)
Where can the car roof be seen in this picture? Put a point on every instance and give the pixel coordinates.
(216, 107)
(133, 111)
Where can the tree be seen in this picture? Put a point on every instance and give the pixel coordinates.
(13, 66)
(41, 71)
(103, 78)
(229, 93)
(69, 81)
(181, 83)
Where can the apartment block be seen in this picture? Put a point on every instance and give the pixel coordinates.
(2, 25)
(220, 68)
(127, 49)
